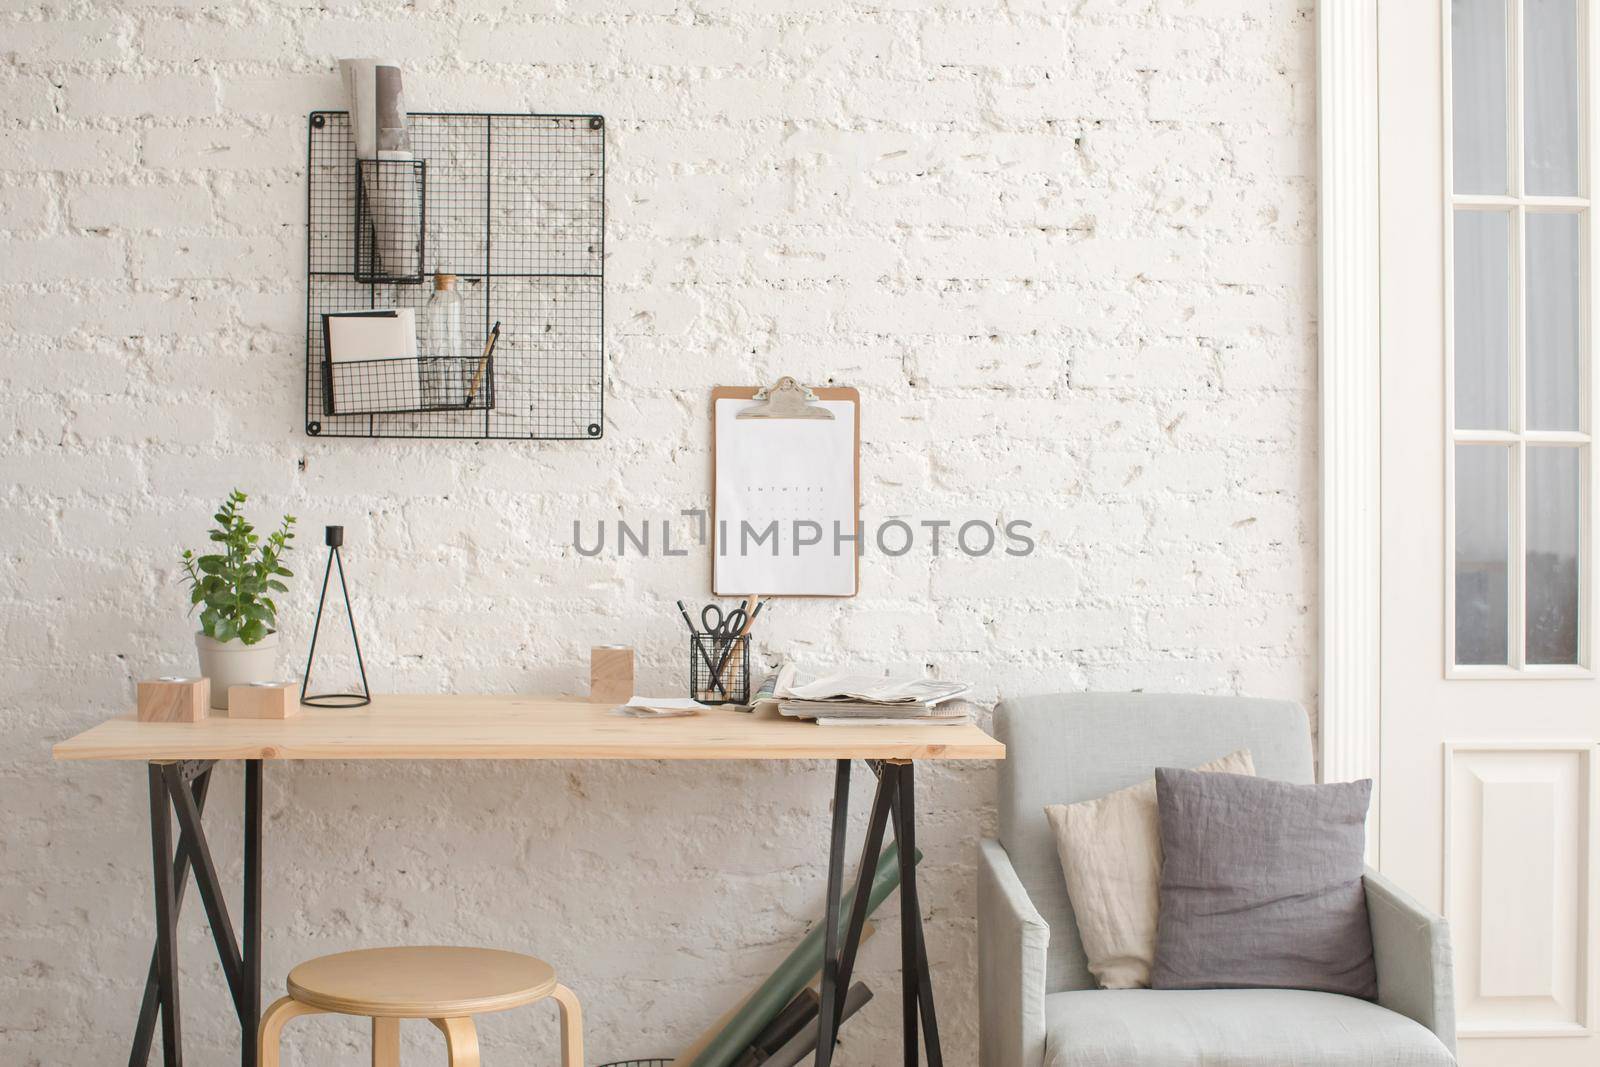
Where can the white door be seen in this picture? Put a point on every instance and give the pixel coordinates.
(1490, 707)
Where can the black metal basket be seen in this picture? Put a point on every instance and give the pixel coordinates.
(398, 386)
(719, 669)
(391, 220)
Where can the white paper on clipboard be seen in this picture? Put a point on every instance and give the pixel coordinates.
(799, 474)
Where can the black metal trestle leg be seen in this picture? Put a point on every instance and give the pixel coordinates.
(894, 800)
(916, 983)
(144, 1033)
(181, 788)
(910, 977)
(166, 919)
(831, 994)
(870, 851)
(250, 1011)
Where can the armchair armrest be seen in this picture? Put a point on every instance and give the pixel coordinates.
(1012, 941)
(1411, 948)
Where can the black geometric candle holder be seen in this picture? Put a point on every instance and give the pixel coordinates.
(335, 538)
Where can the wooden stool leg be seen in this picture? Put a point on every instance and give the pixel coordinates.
(571, 1027)
(461, 1038)
(271, 1031)
(385, 1042)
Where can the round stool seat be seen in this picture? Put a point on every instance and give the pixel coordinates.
(423, 982)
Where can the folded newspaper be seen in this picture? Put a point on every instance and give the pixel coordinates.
(861, 699)
(868, 689)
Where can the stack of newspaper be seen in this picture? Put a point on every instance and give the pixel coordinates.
(864, 700)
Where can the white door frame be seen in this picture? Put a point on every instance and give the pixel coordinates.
(1347, 183)
(1459, 749)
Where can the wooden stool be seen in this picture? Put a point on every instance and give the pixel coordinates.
(446, 986)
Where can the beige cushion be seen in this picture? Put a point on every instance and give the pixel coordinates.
(1110, 850)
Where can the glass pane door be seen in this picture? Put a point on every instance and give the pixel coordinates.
(1518, 338)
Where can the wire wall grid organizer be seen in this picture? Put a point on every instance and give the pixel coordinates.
(513, 206)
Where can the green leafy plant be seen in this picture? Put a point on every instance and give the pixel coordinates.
(236, 583)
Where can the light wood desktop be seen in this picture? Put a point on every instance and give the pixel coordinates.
(516, 727)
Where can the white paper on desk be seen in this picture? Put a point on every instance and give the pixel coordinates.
(660, 707)
(799, 474)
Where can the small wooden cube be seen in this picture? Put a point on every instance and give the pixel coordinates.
(610, 674)
(174, 699)
(263, 700)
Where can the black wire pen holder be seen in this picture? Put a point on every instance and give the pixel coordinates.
(719, 669)
(334, 536)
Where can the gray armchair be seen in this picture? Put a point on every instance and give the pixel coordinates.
(1038, 1004)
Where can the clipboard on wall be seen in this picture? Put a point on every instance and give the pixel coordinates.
(785, 479)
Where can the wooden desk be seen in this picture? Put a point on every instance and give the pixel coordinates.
(513, 727)
(180, 758)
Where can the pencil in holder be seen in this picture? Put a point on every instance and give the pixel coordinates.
(391, 220)
(719, 669)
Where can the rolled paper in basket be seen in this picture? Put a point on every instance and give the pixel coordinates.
(377, 107)
(795, 971)
(378, 121)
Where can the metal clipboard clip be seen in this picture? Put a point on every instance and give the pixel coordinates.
(786, 400)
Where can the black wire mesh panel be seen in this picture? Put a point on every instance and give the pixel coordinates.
(515, 209)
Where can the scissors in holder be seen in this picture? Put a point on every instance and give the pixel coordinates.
(726, 626)
(735, 625)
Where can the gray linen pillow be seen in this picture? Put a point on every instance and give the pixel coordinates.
(1261, 885)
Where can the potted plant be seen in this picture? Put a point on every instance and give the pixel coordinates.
(238, 638)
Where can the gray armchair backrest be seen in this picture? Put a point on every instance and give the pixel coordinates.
(1063, 748)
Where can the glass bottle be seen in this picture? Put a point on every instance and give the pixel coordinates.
(441, 346)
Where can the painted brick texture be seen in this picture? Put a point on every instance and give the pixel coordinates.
(1065, 250)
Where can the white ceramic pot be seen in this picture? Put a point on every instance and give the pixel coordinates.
(236, 663)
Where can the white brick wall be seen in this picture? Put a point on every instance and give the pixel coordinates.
(1065, 250)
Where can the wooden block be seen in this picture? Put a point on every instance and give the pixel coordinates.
(174, 699)
(263, 700)
(610, 674)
